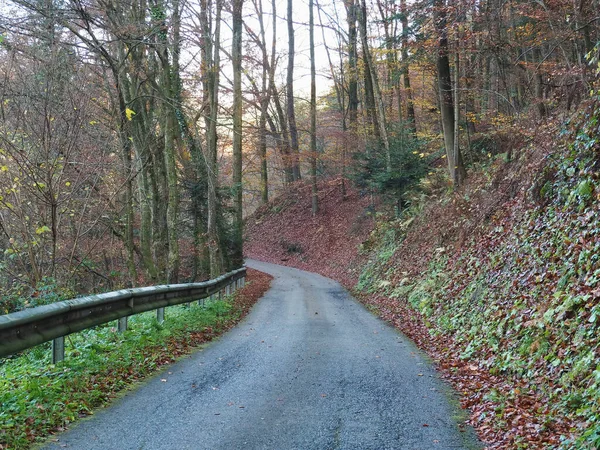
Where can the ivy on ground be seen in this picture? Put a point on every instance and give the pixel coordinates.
(512, 313)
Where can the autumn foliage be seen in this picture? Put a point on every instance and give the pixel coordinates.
(498, 281)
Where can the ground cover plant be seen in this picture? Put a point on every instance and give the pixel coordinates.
(504, 294)
(38, 398)
(498, 281)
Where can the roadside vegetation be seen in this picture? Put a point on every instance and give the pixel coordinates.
(447, 173)
(509, 290)
(498, 281)
(39, 398)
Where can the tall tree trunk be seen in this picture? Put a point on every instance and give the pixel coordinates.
(284, 138)
(313, 113)
(197, 173)
(264, 105)
(159, 185)
(138, 137)
(285, 147)
(170, 133)
(445, 93)
(291, 110)
(211, 67)
(410, 107)
(369, 100)
(351, 12)
(128, 175)
(371, 72)
(459, 170)
(264, 168)
(236, 53)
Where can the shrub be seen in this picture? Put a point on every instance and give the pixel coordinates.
(408, 163)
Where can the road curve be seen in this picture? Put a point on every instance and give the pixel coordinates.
(309, 368)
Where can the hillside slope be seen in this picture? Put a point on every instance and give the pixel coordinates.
(499, 282)
(285, 232)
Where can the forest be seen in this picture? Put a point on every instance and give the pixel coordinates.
(137, 135)
(141, 142)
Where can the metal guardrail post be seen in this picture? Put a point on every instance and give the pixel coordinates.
(122, 324)
(160, 315)
(58, 349)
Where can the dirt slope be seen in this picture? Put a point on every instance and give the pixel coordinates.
(284, 232)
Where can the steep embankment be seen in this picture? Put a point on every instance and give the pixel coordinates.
(499, 282)
(285, 232)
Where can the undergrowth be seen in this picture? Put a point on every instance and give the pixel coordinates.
(38, 398)
(19, 296)
(521, 299)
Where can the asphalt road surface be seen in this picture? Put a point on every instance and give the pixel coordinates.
(309, 368)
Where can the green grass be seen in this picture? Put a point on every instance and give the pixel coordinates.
(38, 397)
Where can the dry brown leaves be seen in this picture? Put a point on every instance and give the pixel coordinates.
(284, 232)
(329, 243)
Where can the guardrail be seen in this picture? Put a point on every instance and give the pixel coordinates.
(25, 329)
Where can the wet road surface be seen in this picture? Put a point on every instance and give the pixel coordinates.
(309, 368)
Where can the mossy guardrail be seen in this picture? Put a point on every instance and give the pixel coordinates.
(25, 329)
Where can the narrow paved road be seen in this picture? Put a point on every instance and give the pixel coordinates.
(309, 368)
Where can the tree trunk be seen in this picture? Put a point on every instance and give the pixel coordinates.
(236, 53)
(313, 113)
(352, 64)
(371, 72)
(410, 107)
(169, 131)
(128, 175)
(211, 67)
(445, 93)
(291, 110)
(459, 170)
(138, 136)
(283, 141)
(264, 105)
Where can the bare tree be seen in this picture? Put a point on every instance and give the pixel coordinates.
(313, 113)
(210, 45)
(291, 109)
(237, 257)
(455, 164)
